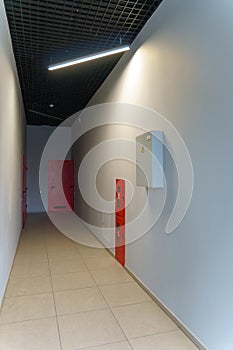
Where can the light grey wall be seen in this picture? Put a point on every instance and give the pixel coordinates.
(181, 66)
(12, 122)
(37, 138)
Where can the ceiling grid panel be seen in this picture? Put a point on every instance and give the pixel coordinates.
(46, 32)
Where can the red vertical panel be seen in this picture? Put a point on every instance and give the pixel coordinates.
(120, 222)
(24, 203)
(68, 181)
(120, 197)
(60, 185)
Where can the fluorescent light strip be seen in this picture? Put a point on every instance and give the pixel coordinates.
(88, 58)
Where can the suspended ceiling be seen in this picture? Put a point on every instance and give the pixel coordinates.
(50, 31)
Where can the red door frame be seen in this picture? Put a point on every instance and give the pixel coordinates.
(120, 222)
(60, 185)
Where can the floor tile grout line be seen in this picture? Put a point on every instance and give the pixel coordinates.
(28, 295)
(83, 312)
(73, 289)
(107, 304)
(30, 277)
(32, 262)
(113, 284)
(108, 307)
(126, 338)
(112, 307)
(116, 320)
(129, 304)
(115, 342)
(14, 262)
(157, 333)
(96, 283)
(119, 284)
(99, 309)
(132, 304)
(57, 323)
(28, 320)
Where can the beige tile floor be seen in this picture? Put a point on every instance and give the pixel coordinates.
(65, 296)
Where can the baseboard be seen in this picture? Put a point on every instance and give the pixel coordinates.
(179, 324)
(5, 289)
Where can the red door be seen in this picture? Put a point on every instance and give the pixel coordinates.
(60, 185)
(120, 222)
(24, 189)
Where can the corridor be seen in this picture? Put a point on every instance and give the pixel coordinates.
(62, 295)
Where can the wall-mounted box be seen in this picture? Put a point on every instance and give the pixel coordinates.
(149, 159)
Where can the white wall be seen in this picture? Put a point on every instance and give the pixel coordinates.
(181, 66)
(11, 151)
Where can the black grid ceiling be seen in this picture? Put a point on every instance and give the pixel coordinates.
(51, 31)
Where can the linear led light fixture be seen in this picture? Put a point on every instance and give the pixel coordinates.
(89, 57)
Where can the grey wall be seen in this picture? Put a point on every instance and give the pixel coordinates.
(37, 138)
(181, 66)
(11, 153)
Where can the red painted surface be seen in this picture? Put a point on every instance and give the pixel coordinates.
(24, 189)
(120, 197)
(60, 185)
(120, 222)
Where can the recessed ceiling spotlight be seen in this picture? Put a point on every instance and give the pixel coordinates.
(89, 57)
(51, 105)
